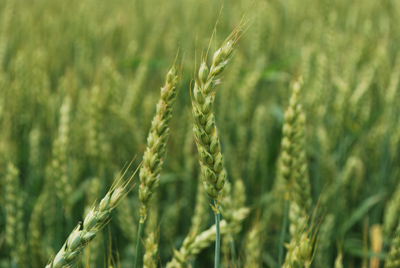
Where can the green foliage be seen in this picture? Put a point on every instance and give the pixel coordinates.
(79, 83)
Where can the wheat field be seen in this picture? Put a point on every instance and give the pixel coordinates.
(200, 133)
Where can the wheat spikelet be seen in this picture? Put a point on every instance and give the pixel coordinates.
(153, 157)
(322, 255)
(14, 230)
(254, 245)
(4, 30)
(204, 127)
(60, 152)
(205, 130)
(393, 256)
(150, 257)
(392, 213)
(294, 170)
(227, 209)
(37, 248)
(294, 162)
(11, 192)
(94, 222)
(151, 242)
(126, 220)
(258, 146)
(95, 247)
(300, 251)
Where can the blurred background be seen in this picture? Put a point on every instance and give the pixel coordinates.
(79, 83)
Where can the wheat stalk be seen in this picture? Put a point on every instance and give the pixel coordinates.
(194, 244)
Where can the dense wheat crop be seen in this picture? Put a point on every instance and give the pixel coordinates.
(297, 140)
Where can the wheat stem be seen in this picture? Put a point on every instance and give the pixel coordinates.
(232, 246)
(217, 234)
(139, 241)
(194, 244)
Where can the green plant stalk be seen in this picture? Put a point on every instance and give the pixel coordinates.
(139, 241)
(217, 235)
(283, 231)
(233, 250)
